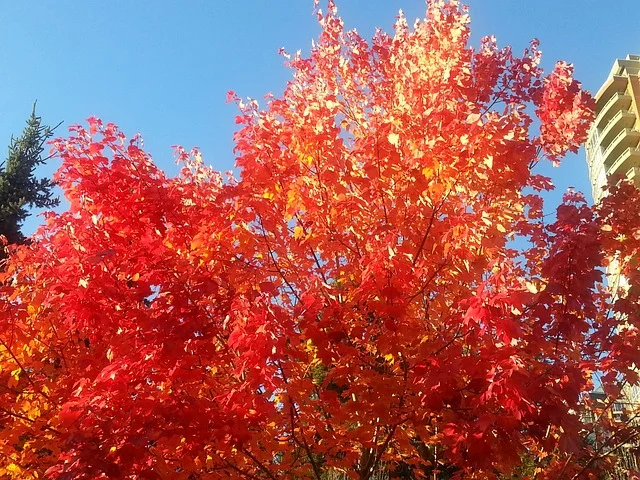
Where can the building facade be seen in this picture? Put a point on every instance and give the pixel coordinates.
(613, 144)
(613, 149)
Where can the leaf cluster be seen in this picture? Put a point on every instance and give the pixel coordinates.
(377, 294)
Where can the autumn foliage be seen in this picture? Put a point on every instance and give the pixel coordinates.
(378, 289)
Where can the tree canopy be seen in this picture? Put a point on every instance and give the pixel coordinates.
(378, 286)
(20, 189)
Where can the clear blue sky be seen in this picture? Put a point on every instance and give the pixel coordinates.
(163, 68)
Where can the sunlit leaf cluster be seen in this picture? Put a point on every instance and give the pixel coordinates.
(378, 287)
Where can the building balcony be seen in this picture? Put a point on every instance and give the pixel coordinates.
(621, 120)
(598, 178)
(619, 101)
(629, 159)
(615, 84)
(627, 138)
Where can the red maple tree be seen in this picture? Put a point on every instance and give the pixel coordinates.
(352, 302)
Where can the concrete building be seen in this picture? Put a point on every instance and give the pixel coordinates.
(613, 143)
(613, 149)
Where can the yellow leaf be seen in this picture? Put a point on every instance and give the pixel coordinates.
(393, 139)
(473, 118)
(501, 228)
(532, 287)
(489, 161)
(428, 172)
(331, 104)
(136, 277)
(298, 232)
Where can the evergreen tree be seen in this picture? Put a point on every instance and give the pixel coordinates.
(20, 189)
